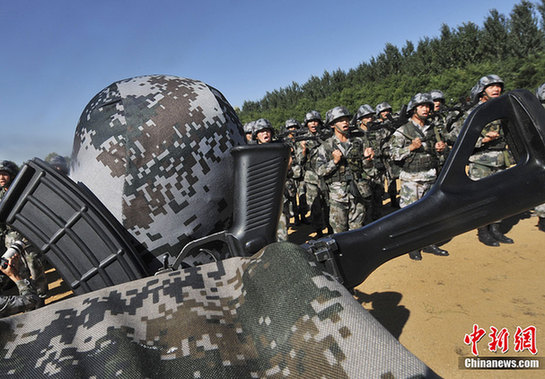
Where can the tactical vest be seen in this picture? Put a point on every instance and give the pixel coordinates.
(424, 158)
(350, 167)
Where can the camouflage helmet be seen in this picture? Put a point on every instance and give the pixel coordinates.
(473, 94)
(59, 163)
(437, 95)
(292, 123)
(364, 110)
(313, 116)
(419, 98)
(10, 167)
(486, 81)
(334, 114)
(540, 93)
(249, 127)
(384, 106)
(260, 125)
(155, 150)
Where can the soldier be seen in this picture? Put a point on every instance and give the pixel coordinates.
(316, 196)
(415, 147)
(8, 236)
(540, 209)
(383, 110)
(377, 137)
(490, 154)
(27, 299)
(248, 132)
(340, 162)
(291, 207)
(262, 131)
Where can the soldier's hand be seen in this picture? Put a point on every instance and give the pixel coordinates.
(12, 269)
(337, 155)
(368, 153)
(304, 147)
(415, 144)
(440, 146)
(491, 136)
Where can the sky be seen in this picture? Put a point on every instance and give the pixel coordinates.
(58, 54)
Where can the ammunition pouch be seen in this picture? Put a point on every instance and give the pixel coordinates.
(420, 162)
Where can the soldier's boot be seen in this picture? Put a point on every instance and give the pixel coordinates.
(541, 224)
(435, 250)
(415, 255)
(485, 237)
(498, 235)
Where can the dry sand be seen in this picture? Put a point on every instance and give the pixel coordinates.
(430, 305)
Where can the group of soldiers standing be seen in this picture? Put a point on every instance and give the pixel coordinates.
(343, 167)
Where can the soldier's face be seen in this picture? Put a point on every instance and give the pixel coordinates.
(437, 105)
(342, 124)
(264, 136)
(364, 121)
(312, 125)
(492, 91)
(5, 179)
(384, 115)
(423, 110)
(248, 137)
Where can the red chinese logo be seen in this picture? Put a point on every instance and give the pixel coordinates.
(499, 339)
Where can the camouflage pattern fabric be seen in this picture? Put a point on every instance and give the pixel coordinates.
(33, 258)
(275, 314)
(346, 212)
(414, 183)
(155, 151)
(26, 300)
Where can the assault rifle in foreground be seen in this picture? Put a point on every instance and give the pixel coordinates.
(91, 250)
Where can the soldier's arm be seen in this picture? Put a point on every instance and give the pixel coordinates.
(399, 147)
(324, 163)
(27, 298)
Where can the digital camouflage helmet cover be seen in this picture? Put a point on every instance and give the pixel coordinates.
(156, 151)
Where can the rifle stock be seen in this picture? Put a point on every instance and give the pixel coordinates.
(455, 204)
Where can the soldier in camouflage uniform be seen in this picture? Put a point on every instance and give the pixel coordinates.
(249, 131)
(415, 147)
(27, 299)
(291, 206)
(8, 236)
(341, 161)
(490, 154)
(315, 189)
(377, 136)
(540, 209)
(382, 111)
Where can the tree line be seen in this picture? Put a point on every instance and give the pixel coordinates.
(512, 47)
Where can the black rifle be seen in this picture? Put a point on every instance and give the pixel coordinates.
(65, 221)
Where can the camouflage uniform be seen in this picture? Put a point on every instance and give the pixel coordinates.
(419, 167)
(316, 196)
(347, 208)
(33, 257)
(236, 318)
(27, 299)
(376, 137)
